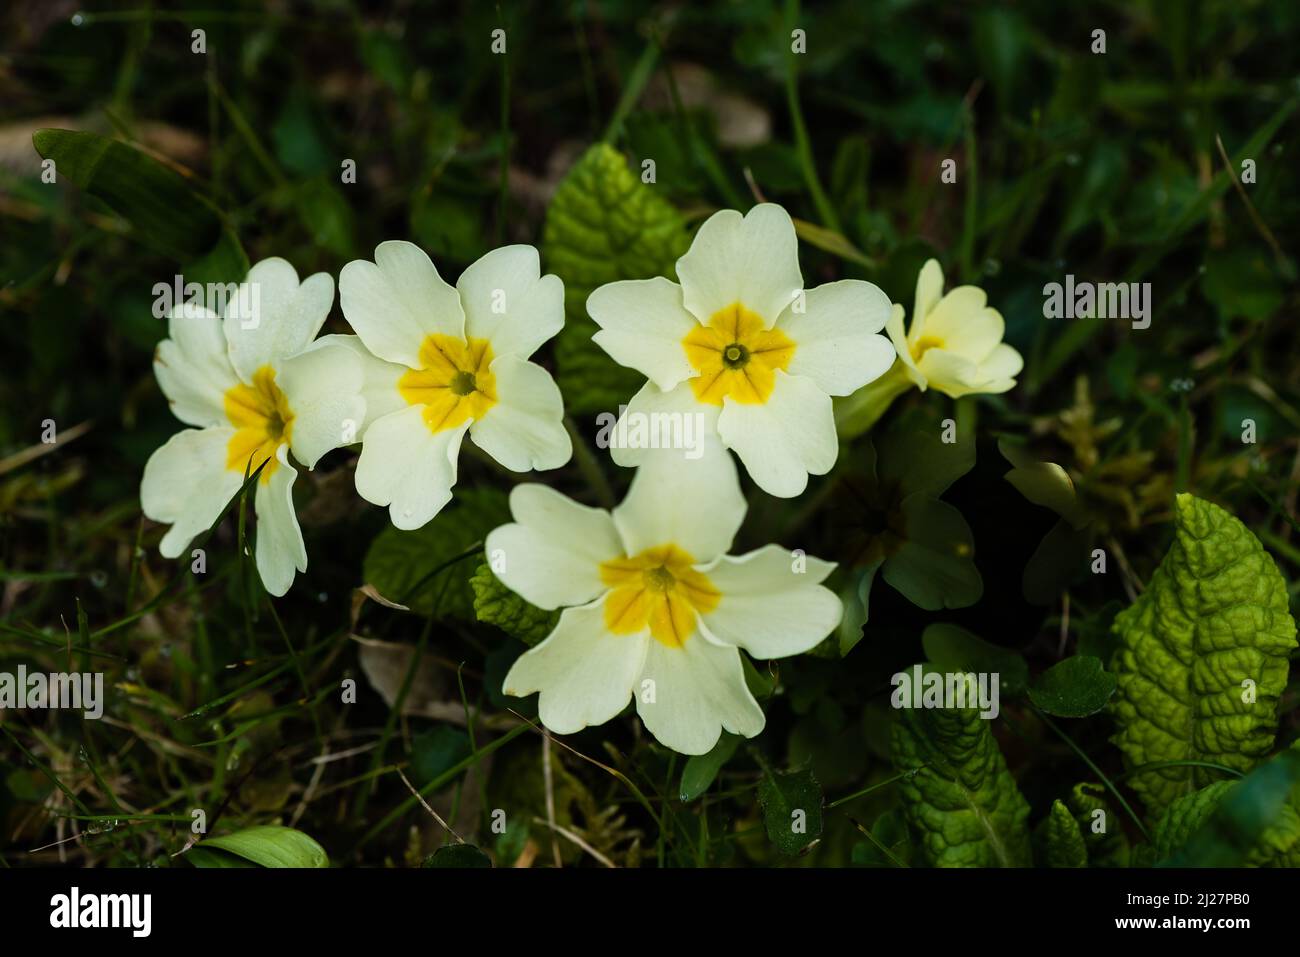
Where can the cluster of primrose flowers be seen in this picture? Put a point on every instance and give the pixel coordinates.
(648, 590)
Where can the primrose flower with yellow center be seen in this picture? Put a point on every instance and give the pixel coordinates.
(740, 342)
(954, 346)
(439, 361)
(955, 343)
(654, 608)
(256, 386)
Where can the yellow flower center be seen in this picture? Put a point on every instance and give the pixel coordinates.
(736, 356)
(657, 588)
(453, 383)
(924, 345)
(262, 419)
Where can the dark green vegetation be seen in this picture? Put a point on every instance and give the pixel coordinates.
(1123, 166)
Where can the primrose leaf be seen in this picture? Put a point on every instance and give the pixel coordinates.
(1202, 659)
(604, 225)
(1073, 688)
(496, 604)
(1107, 843)
(1063, 844)
(1251, 822)
(1185, 816)
(271, 846)
(165, 213)
(702, 769)
(961, 804)
(792, 809)
(407, 566)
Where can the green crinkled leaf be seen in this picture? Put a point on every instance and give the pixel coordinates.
(404, 565)
(1251, 822)
(962, 805)
(1106, 841)
(1214, 616)
(604, 225)
(792, 809)
(496, 604)
(1185, 816)
(1063, 844)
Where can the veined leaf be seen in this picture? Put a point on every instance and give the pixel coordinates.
(1063, 841)
(1252, 822)
(604, 225)
(407, 567)
(165, 213)
(496, 604)
(1073, 688)
(1105, 839)
(271, 846)
(1202, 658)
(792, 809)
(962, 805)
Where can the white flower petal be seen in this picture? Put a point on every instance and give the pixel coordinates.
(280, 552)
(929, 290)
(950, 373)
(699, 690)
(323, 386)
(193, 366)
(657, 419)
(769, 606)
(187, 485)
(1003, 364)
(508, 302)
(784, 439)
(642, 325)
(274, 316)
(584, 673)
(525, 428)
(551, 553)
(378, 380)
(753, 260)
(964, 324)
(898, 337)
(408, 468)
(396, 301)
(835, 337)
(696, 505)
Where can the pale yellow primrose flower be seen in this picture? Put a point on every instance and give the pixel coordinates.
(954, 346)
(439, 361)
(741, 343)
(256, 386)
(955, 343)
(653, 607)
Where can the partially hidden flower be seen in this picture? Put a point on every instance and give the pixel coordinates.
(742, 344)
(449, 360)
(255, 387)
(892, 521)
(953, 346)
(654, 608)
